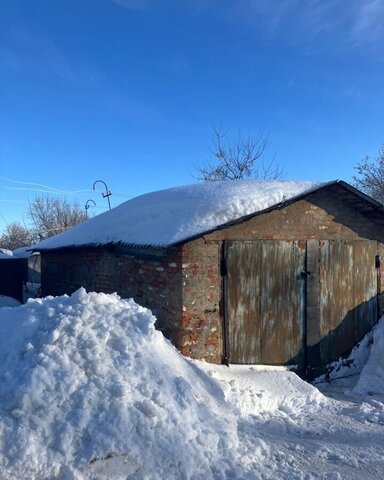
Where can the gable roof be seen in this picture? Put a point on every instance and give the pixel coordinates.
(169, 217)
(23, 252)
(5, 254)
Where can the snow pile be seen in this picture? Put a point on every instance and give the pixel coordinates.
(371, 379)
(352, 365)
(90, 390)
(170, 216)
(88, 384)
(260, 390)
(366, 359)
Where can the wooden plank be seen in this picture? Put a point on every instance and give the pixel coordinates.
(282, 302)
(243, 301)
(348, 288)
(365, 287)
(336, 298)
(313, 333)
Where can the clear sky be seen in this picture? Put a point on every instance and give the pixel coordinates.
(127, 91)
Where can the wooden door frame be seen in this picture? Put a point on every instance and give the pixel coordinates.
(224, 304)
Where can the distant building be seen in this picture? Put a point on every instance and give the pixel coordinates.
(13, 274)
(34, 263)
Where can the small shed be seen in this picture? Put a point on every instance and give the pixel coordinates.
(33, 263)
(13, 273)
(248, 272)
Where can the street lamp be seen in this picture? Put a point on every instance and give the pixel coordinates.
(107, 193)
(86, 206)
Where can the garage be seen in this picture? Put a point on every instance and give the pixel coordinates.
(249, 272)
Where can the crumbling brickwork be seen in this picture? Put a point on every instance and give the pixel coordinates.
(152, 281)
(201, 326)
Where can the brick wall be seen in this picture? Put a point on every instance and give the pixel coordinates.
(152, 281)
(201, 325)
(320, 216)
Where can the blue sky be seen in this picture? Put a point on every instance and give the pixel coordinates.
(128, 90)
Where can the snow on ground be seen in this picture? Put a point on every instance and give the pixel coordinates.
(90, 390)
(169, 216)
(289, 430)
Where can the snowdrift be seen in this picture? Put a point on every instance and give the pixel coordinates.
(90, 390)
(263, 391)
(371, 380)
(366, 360)
(87, 378)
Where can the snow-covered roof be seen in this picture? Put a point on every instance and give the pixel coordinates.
(23, 252)
(6, 301)
(167, 217)
(5, 254)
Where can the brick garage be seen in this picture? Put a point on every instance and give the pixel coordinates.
(188, 285)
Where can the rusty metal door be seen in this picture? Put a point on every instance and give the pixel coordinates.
(297, 302)
(341, 296)
(264, 290)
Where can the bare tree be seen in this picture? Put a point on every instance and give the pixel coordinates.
(50, 216)
(15, 235)
(238, 158)
(370, 177)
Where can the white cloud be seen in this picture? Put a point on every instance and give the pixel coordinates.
(352, 22)
(369, 23)
(311, 15)
(23, 48)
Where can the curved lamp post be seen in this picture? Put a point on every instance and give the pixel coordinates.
(107, 193)
(86, 206)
